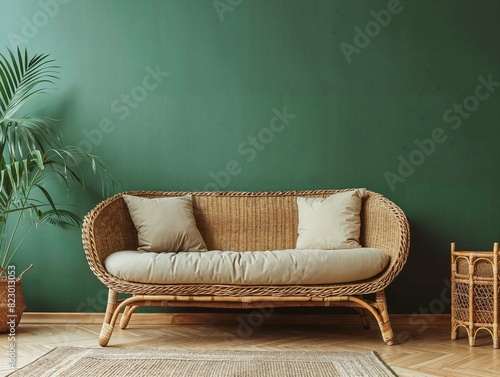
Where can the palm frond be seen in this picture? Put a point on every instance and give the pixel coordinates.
(13, 176)
(61, 218)
(22, 78)
(69, 159)
(23, 135)
(31, 151)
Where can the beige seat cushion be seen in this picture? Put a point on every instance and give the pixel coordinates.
(165, 224)
(282, 267)
(330, 223)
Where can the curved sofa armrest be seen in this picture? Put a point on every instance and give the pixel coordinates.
(106, 229)
(385, 226)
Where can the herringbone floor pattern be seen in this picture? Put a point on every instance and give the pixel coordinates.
(423, 351)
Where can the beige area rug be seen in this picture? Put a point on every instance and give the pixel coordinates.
(120, 362)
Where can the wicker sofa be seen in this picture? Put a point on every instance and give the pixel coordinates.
(241, 222)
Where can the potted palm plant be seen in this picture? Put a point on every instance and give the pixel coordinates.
(33, 162)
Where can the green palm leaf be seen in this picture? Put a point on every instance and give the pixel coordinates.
(20, 80)
(32, 154)
(23, 78)
(62, 218)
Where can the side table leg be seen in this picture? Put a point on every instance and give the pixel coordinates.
(495, 335)
(454, 331)
(472, 336)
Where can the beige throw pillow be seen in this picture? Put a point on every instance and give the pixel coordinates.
(330, 223)
(165, 224)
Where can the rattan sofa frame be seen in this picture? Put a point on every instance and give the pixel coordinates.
(246, 221)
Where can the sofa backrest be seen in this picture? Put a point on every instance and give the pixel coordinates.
(248, 221)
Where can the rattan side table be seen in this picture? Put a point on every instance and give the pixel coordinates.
(474, 293)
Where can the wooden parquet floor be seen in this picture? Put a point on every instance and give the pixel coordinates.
(422, 352)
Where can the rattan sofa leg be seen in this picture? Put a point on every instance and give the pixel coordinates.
(365, 317)
(127, 313)
(385, 323)
(107, 326)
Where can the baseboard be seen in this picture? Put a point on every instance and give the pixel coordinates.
(397, 320)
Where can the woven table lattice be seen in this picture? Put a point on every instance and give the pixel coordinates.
(474, 293)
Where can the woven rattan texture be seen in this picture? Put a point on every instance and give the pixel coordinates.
(245, 221)
(475, 292)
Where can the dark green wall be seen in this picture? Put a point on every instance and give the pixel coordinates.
(354, 121)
